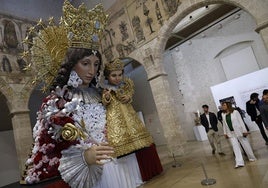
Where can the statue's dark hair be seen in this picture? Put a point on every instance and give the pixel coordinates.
(73, 55)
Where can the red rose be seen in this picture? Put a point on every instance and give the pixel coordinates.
(60, 103)
(38, 157)
(61, 120)
(45, 138)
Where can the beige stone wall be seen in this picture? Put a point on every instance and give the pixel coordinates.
(149, 53)
(133, 23)
(17, 99)
(14, 82)
(257, 8)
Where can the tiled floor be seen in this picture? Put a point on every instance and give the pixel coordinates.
(221, 168)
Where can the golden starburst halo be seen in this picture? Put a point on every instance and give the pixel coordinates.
(78, 28)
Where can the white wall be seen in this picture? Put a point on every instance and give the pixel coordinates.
(241, 88)
(9, 167)
(197, 64)
(234, 64)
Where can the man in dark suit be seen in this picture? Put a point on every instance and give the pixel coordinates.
(210, 122)
(264, 108)
(253, 110)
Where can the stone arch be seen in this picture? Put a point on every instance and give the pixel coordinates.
(232, 45)
(5, 115)
(16, 102)
(6, 90)
(157, 76)
(8, 147)
(16, 28)
(257, 9)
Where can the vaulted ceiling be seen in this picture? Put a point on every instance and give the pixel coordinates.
(195, 25)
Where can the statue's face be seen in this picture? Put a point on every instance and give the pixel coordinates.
(115, 77)
(87, 68)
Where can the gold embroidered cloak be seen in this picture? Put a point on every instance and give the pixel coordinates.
(125, 131)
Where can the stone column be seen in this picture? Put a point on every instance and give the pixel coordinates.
(167, 114)
(263, 30)
(22, 135)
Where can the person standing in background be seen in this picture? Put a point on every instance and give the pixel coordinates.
(210, 121)
(264, 108)
(253, 110)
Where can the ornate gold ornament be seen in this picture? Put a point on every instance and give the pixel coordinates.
(78, 28)
(117, 64)
(126, 89)
(70, 132)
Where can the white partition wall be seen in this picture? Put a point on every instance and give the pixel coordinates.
(241, 88)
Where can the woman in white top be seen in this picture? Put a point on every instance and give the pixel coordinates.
(234, 129)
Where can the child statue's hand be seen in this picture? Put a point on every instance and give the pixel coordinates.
(107, 95)
(125, 99)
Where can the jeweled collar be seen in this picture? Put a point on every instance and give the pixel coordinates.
(108, 86)
(88, 95)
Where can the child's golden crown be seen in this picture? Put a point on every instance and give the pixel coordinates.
(116, 64)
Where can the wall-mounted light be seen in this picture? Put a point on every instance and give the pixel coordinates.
(177, 49)
(189, 42)
(219, 26)
(237, 16)
(203, 35)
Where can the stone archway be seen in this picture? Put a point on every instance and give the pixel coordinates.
(7, 146)
(152, 60)
(17, 99)
(256, 8)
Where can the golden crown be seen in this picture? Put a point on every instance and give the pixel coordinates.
(78, 28)
(85, 27)
(116, 64)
